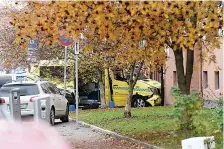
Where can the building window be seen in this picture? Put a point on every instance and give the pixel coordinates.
(216, 80)
(205, 79)
(151, 75)
(174, 78)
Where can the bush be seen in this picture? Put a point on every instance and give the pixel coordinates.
(185, 107)
(219, 111)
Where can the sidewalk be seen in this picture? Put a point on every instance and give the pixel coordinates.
(85, 138)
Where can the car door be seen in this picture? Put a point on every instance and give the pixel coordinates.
(59, 99)
(49, 90)
(63, 101)
(120, 92)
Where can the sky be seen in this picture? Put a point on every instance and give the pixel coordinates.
(12, 4)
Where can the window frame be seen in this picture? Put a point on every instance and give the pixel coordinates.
(45, 87)
(52, 88)
(175, 82)
(205, 79)
(217, 80)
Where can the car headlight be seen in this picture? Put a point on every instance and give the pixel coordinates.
(154, 90)
(149, 89)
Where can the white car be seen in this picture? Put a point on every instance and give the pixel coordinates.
(29, 90)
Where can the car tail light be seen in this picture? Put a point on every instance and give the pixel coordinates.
(32, 98)
(2, 100)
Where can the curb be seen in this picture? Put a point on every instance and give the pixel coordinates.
(108, 132)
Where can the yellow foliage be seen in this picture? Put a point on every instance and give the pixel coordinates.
(122, 25)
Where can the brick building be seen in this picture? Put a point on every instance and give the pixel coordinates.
(207, 79)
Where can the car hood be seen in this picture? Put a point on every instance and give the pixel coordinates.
(151, 83)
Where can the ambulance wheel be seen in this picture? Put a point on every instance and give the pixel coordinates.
(138, 101)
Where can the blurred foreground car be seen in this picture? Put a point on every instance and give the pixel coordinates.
(29, 135)
(26, 135)
(29, 90)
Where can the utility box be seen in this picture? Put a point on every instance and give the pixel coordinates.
(42, 109)
(14, 100)
(199, 143)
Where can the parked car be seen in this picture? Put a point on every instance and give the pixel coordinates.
(87, 98)
(5, 78)
(29, 90)
(90, 99)
(68, 95)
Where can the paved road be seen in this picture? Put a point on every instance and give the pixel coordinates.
(85, 138)
(80, 137)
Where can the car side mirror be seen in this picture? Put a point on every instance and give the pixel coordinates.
(60, 92)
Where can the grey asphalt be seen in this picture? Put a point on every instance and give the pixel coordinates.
(80, 137)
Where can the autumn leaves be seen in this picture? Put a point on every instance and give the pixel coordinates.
(121, 23)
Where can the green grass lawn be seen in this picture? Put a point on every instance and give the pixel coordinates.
(154, 125)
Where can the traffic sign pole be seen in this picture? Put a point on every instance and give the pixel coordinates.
(76, 48)
(65, 70)
(65, 42)
(77, 92)
(68, 42)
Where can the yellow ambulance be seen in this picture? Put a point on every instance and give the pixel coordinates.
(146, 92)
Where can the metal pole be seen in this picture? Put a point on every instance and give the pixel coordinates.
(77, 93)
(14, 100)
(65, 70)
(36, 111)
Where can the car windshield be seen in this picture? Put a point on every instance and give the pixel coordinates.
(25, 89)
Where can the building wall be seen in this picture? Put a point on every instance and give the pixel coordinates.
(210, 92)
(169, 77)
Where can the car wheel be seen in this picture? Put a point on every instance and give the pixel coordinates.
(66, 117)
(139, 102)
(86, 107)
(52, 116)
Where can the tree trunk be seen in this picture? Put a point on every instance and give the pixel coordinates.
(189, 69)
(162, 87)
(102, 95)
(131, 82)
(74, 75)
(184, 81)
(127, 112)
(29, 68)
(101, 87)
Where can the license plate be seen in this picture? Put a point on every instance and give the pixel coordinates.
(22, 106)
